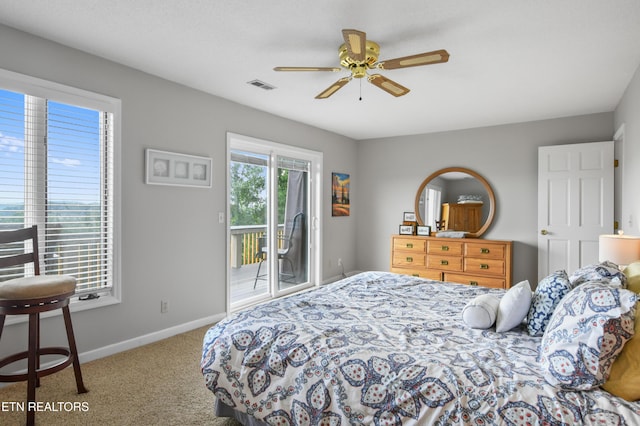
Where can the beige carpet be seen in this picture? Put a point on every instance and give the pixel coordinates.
(157, 384)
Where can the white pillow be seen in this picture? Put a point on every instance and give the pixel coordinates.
(481, 312)
(514, 306)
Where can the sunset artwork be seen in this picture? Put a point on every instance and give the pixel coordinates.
(340, 194)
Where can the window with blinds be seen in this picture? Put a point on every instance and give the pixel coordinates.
(57, 172)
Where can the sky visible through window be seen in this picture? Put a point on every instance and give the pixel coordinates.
(11, 148)
(73, 152)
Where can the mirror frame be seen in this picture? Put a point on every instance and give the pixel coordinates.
(487, 187)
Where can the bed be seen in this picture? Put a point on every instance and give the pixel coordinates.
(382, 348)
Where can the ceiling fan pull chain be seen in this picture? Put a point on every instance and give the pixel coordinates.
(360, 90)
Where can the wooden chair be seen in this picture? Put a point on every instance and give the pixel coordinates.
(32, 295)
(283, 252)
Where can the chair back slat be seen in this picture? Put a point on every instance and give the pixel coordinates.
(16, 235)
(14, 259)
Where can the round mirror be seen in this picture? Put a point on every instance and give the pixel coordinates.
(455, 199)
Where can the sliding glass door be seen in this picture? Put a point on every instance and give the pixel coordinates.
(272, 210)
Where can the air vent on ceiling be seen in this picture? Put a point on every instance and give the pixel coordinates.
(261, 84)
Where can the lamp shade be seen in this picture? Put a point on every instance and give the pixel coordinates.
(619, 249)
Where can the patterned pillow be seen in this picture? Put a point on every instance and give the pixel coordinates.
(585, 335)
(548, 294)
(606, 270)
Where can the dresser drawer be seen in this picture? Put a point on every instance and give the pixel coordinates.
(444, 263)
(469, 261)
(408, 260)
(422, 273)
(474, 280)
(449, 248)
(485, 251)
(410, 244)
(484, 266)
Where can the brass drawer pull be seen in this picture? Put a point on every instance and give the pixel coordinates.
(444, 262)
(484, 250)
(409, 259)
(445, 248)
(484, 266)
(409, 245)
(474, 283)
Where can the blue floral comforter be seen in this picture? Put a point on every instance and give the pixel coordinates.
(387, 349)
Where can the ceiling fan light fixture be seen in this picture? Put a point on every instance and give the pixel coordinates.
(358, 55)
(358, 71)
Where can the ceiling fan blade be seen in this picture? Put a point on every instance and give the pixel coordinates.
(387, 85)
(333, 88)
(427, 58)
(307, 69)
(356, 42)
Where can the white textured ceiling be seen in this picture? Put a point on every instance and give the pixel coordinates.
(511, 60)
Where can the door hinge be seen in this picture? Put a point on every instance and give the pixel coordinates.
(615, 163)
(615, 225)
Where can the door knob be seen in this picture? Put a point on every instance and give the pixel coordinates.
(544, 232)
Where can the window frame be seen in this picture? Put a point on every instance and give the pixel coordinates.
(57, 92)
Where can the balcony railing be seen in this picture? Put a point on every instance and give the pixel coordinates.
(245, 244)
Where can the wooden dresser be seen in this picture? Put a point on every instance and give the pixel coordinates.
(460, 260)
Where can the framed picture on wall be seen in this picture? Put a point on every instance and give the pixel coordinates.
(170, 168)
(340, 194)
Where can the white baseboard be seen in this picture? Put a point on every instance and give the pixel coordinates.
(137, 341)
(147, 338)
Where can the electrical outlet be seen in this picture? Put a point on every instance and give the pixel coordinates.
(340, 262)
(164, 306)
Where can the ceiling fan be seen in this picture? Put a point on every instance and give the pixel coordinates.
(358, 55)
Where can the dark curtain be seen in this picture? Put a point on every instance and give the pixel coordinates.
(296, 203)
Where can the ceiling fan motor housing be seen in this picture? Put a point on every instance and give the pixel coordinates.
(359, 68)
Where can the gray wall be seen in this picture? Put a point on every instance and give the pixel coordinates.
(507, 157)
(172, 245)
(627, 115)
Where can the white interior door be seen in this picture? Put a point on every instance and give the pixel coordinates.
(575, 204)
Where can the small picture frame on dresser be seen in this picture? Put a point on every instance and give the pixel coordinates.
(423, 230)
(409, 217)
(407, 230)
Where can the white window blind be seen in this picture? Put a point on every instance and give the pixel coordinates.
(57, 172)
(293, 164)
